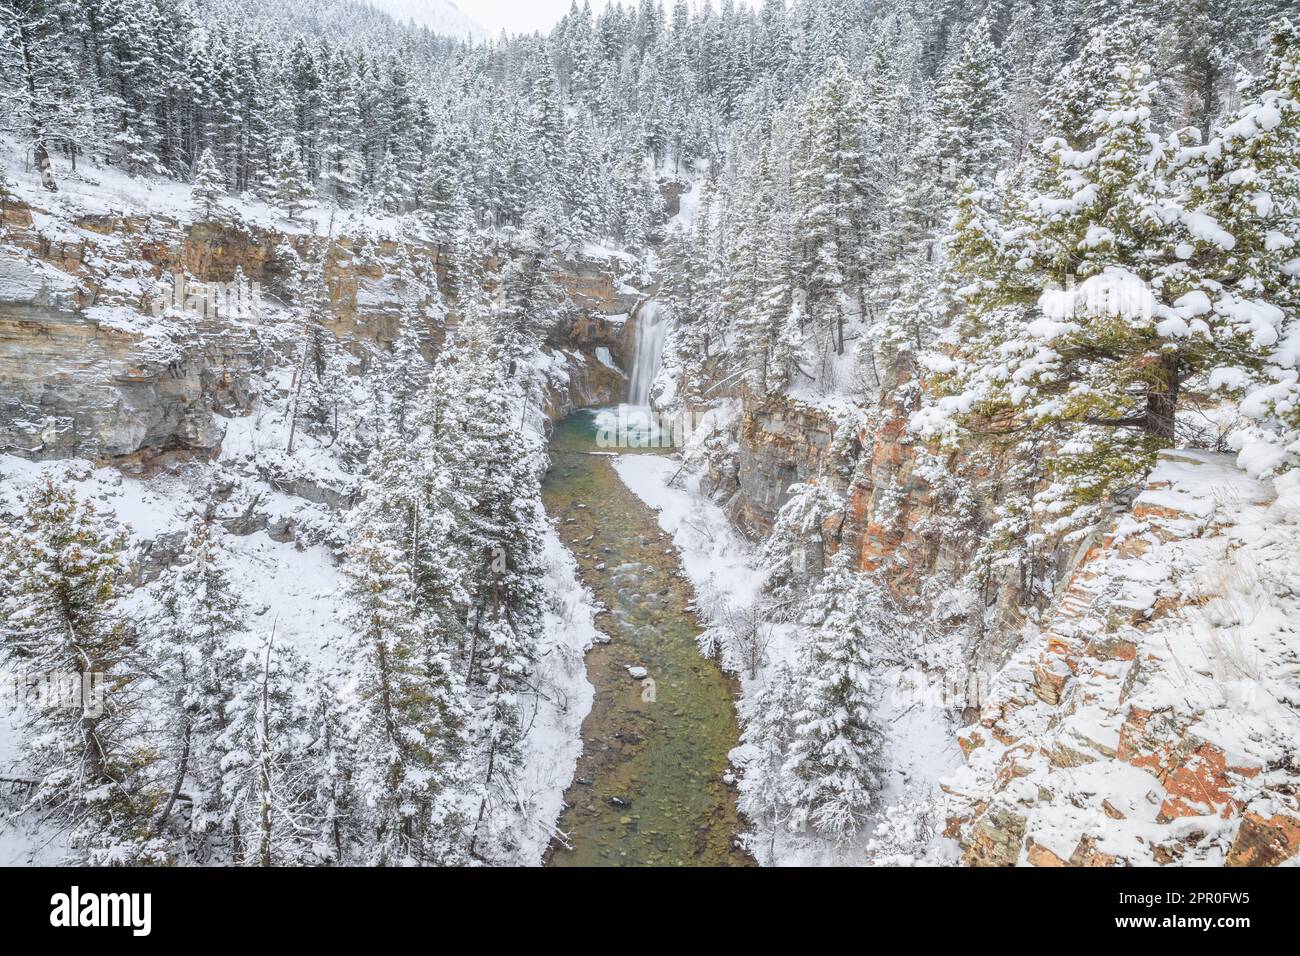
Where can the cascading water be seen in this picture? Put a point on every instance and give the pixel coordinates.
(650, 330)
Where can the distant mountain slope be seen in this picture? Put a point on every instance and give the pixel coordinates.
(440, 16)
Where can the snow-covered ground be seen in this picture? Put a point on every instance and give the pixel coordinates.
(107, 191)
(554, 740)
(1176, 711)
(295, 587)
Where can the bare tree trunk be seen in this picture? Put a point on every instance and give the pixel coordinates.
(40, 150)
(1162, 400)
(492, 753)
(180, 778)
(264, 760)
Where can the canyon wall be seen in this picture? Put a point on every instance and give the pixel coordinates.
(1139, 719)
(87, 370)
(1148, 721)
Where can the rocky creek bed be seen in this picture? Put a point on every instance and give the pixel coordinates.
(649, 787)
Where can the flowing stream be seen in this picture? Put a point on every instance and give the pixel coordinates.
(649, 786)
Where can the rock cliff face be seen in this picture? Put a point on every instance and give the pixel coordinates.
(80, 382)
(1153, 719)
(915, 512)
(780, 442)
(87, 371)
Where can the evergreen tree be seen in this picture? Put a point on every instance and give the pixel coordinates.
(412, 715)
(208, 189)
(1081, 314)
(318, 379)
(835, 753)
(439, 194)
(582, 187)
(197, 662)
(341, 165)
(29, 44)
(1237, 256)
(288, 188)
(768, 792)
(422, 307)
(498, 470)
(274, 816)
(794, 554)
(833, 199)
(63, 571)
(972, 108)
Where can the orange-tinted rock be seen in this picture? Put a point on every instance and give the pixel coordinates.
(1087, 854)
(1038, 855)
(1265, 841)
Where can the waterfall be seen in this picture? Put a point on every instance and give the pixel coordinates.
(650, 331)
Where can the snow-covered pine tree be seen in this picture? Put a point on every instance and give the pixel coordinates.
(288, 188)
(412, 714)
(910, 300)
(794, 554)
(1238, 253)
(422, 308)
(1076, 312)
(439, 195)
(545, 121)
(133, 34)
(208, 189)
(341, 166)
(748, 278)
(329, 762)
(388, 188)
(768, 790)
(692, 293)
(637, 200)
(971, 108)
(582, 187)
(32, 54)
(63, 570)
(833, 201)
(273, 813)
(317, 383)
(850, 626)
(531, 302)
(497, 466)
(681, 297)
(196, 659)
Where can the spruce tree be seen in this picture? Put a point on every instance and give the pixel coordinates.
(835, 754)
(972, 108)
(32, 55)
(794, 554)
(1237, 255)
(833, 200)
(208, 189)
(289, 188)
(63, 572)
(411, 699)
(1080, 314)
(197, 661)
(768, 791)
(271, 799)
